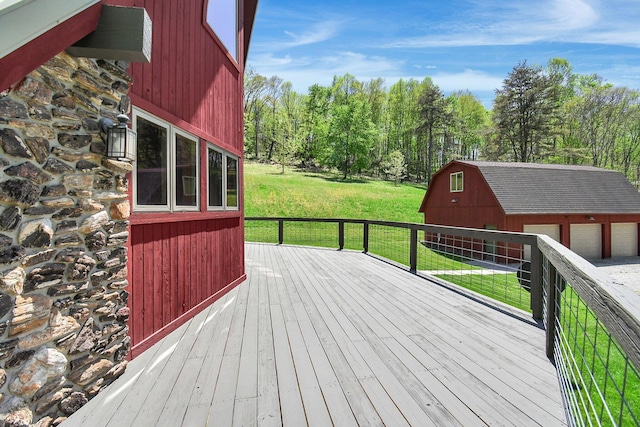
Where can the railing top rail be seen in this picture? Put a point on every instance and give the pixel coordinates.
(615, 305)
(503, 236)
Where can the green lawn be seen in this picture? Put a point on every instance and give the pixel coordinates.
(299, 193)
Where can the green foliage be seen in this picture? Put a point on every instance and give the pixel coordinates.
(434, 118)
(471, 124)
(548, 115)
(394, 166)
(350, 137)
(524, 111)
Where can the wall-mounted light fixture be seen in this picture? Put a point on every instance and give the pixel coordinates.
(120, 139)
(454, 200)
(590, 218)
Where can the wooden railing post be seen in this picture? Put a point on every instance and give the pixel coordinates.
(280, 231)
(413, 255)
(341, 234)
(552, 311)
(365, 237)
(536, 282)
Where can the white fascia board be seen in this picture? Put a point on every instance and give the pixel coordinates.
(24, 20)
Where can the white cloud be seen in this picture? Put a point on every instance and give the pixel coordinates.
(493, 23)
(305, 71)
(472, 80)
(306, 34)
(319, 32)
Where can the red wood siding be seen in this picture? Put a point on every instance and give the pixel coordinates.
(181, 262)
(176, 270)
(517, 222)
(191, 76)
(475, 206)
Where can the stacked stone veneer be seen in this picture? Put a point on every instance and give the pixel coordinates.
(63, 232)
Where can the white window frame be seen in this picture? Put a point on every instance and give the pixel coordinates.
(225, 156)
(453, 180)
(172, 132)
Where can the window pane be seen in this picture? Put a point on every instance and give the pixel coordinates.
(215, 177)
(186, 172)
(232, 182)
(222, 17)
(456, 182)
(151, 164)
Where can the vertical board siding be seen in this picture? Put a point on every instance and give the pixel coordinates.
(178, 266)
(190, 76)
(174, 266)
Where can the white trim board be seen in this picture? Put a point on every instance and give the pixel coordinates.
(24, 20)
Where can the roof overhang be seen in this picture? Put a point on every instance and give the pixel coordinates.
(250, 8)
(33, 31)
(123, 33)
(24, 20)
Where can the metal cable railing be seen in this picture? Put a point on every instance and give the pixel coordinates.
(593, 337)
(491, 263)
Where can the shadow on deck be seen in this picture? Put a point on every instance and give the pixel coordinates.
(322, 337)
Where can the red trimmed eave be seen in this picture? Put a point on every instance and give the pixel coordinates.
(16, 65)
(250, 8)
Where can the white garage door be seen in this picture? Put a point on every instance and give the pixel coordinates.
(624, 239)
(551, 230)
(586, 240)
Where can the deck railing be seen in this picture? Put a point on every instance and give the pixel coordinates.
(592, 324)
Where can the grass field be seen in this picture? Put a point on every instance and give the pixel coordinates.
(298, 193)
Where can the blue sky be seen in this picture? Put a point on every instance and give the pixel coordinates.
(460, 44)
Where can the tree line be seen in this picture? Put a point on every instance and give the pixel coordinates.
(411, 129)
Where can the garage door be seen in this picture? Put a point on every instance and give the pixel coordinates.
(624, 239)
(586, 240)
(551, 230)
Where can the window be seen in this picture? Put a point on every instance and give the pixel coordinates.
(456, 184)
(222, 17)
(166, 169)
(222, 169)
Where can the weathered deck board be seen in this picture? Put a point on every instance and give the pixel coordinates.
(321, 337)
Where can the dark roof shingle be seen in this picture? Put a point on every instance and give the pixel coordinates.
(529, 188)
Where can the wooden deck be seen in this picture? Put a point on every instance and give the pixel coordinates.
(320, 337)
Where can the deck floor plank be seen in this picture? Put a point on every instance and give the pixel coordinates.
(268, 399)
(318, 337)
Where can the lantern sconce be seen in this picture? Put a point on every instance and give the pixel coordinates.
(120, 139)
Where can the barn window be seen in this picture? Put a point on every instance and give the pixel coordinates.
(222, 18)
(456, 184)
(222, 179)
(165, 177)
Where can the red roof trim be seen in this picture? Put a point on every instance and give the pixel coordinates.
(27, 58)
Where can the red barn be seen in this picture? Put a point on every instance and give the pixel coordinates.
(102, 255)
(593, 211)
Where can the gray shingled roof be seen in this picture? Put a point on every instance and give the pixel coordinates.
(528, 188)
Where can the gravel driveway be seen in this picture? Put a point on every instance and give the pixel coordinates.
(624, 270)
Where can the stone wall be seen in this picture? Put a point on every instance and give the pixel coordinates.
(63, 232)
